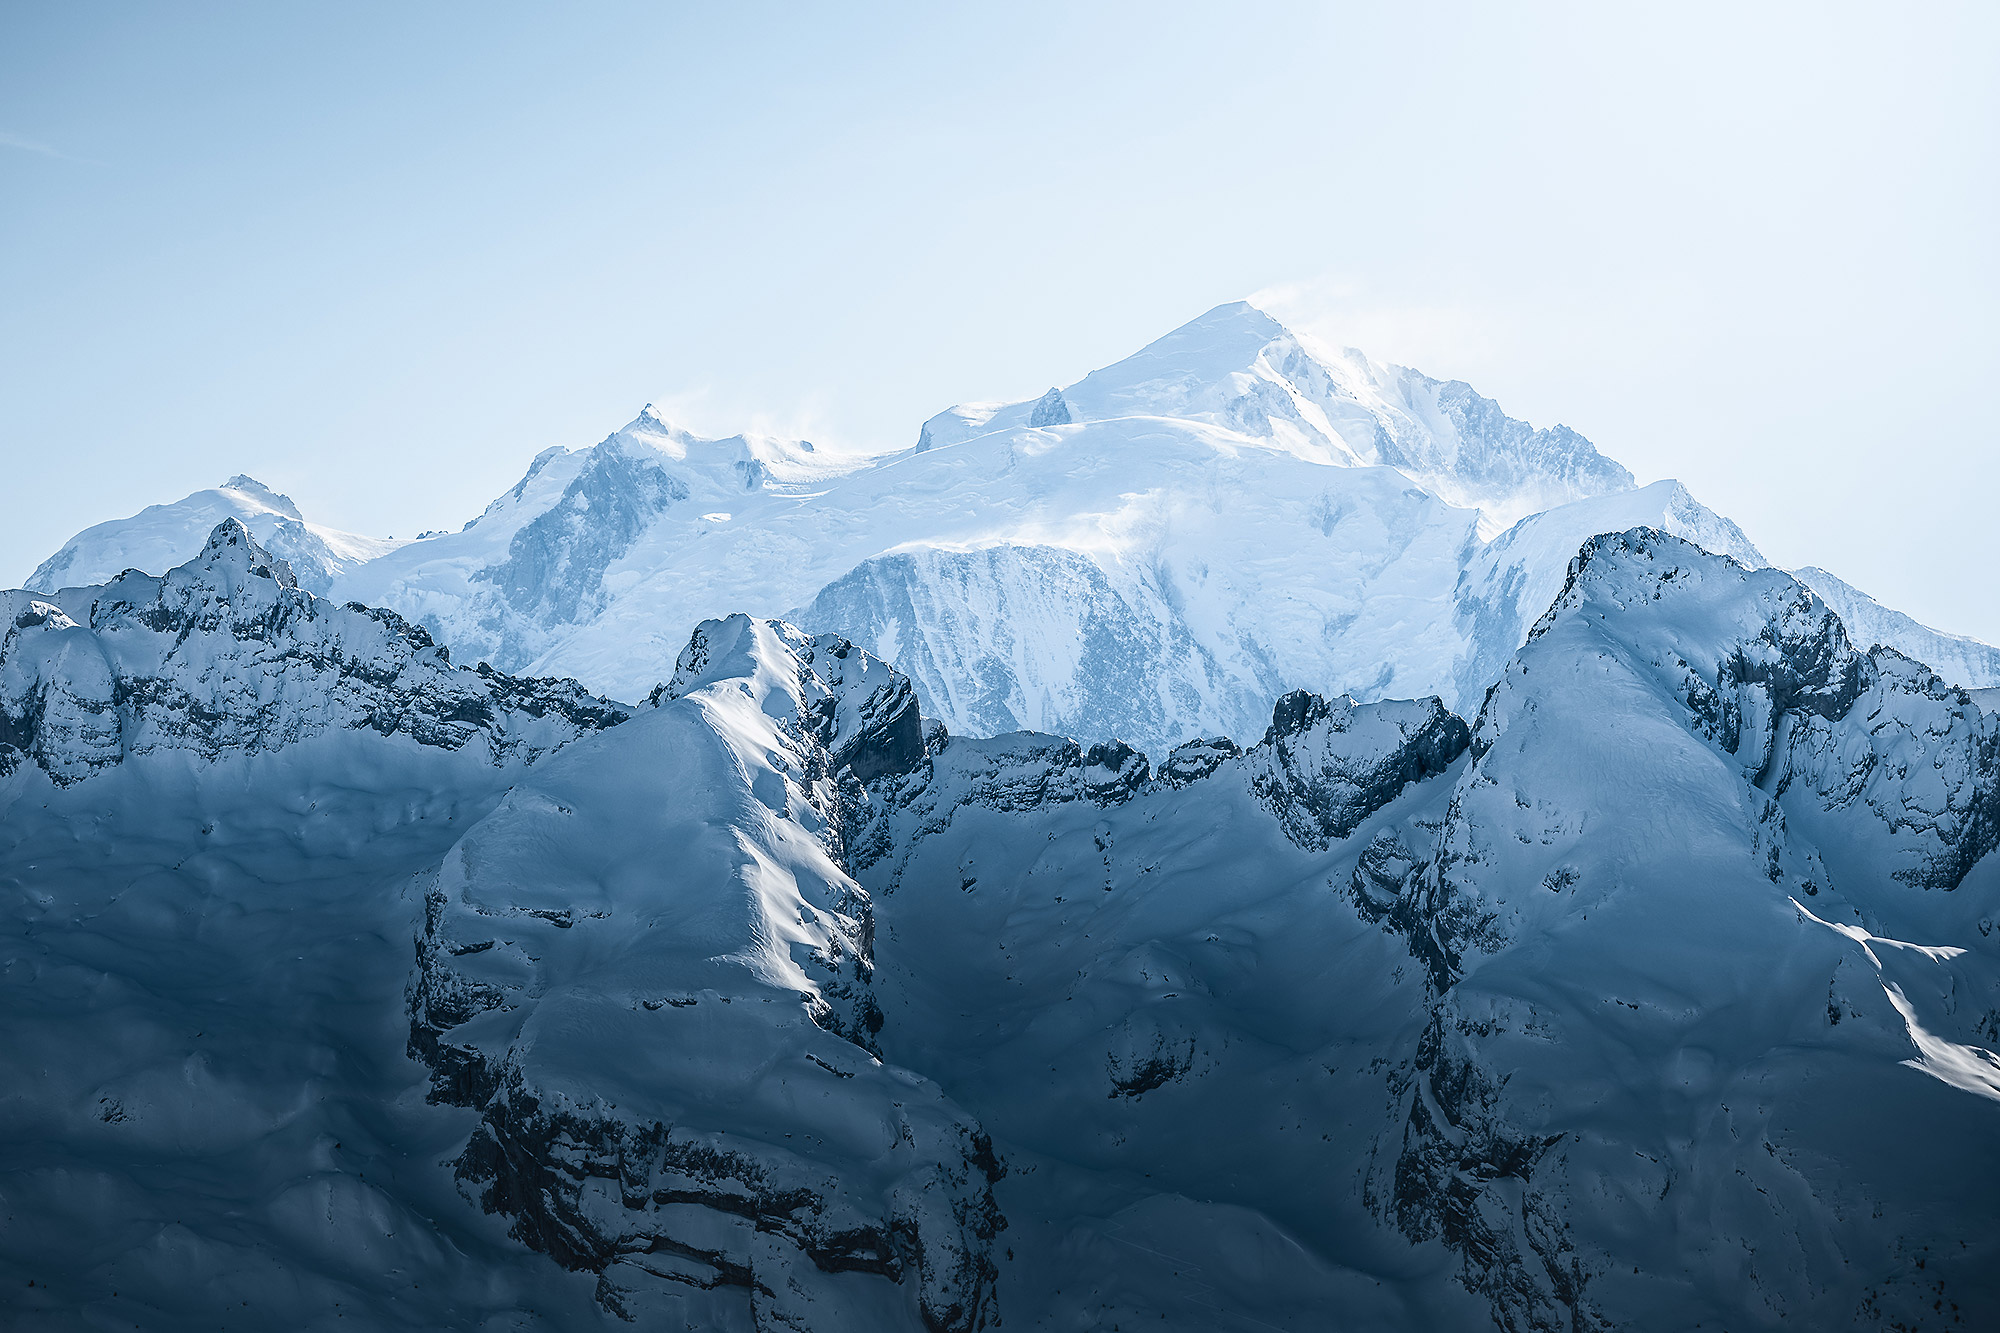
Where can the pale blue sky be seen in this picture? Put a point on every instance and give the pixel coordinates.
(379, 256)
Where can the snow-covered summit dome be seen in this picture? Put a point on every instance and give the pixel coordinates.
(259, 493)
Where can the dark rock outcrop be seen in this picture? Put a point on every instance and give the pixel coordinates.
(1326, 765)
(226, 654)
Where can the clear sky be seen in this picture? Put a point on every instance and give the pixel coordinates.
(379, 256)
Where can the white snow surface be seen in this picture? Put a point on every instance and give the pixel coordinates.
(159, 537)
(1154, 552)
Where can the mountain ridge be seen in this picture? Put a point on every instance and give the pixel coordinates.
(770, 1004)
(1154, 550)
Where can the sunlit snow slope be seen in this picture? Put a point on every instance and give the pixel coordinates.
(161, 536)
(1154, 551)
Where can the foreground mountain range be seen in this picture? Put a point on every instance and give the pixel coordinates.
(1663, 993)
(1638, 972)
(1154, 552)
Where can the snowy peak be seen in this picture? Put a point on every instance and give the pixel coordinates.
(230, 556)
(162, 536)
(1236, 375)
(256, 492)
(649, 421)
(227, 655)
(761, 459)
(1193, 371)
(1960, 660)
(1764, 674)
(1689, 783)
(861, 710)
(1709, 620)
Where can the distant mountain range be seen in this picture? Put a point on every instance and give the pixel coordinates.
(1154, 552)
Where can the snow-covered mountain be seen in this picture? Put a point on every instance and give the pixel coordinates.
(228, 654)
(1155, 551)
(1239, 370)
(1959, 659)
(1663, 994)
(159, 537)
(567, 549)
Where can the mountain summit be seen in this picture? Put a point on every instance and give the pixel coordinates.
(1153, 551)
(1238, 370)
(159, 537)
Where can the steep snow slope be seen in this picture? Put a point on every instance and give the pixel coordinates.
(1710, 914)
(649, 974)
(159, 537)
(1960, 660)
(1156, 551)
(567, 545)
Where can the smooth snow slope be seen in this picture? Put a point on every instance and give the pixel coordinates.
(159, 537)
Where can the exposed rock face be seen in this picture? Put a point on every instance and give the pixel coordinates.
(1326, 765)
(861, 711)
(1049, 410)
(1458, 1175)
(1196, 759)
(226, 654)
(556, 562)
(677, 891)
(1911, 757)
(1957, 659)
(1499, 455)
(1020, 772)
